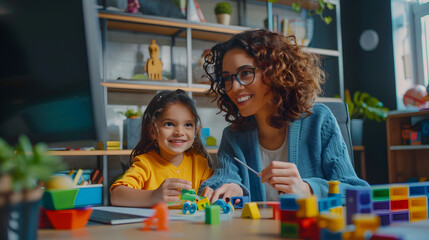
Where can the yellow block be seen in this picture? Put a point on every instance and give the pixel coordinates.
(337, 210)
(398, 193)
(333, 187)
(332, 221)
(307, 207)
(365, 222)
(251, 210)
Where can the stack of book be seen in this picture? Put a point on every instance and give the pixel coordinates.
(109, 145)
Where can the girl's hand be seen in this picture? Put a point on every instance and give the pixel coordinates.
(225, 191)
(284, 177)
(169, 190)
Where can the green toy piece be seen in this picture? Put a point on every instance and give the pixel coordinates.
(213, 214)
(211, 141)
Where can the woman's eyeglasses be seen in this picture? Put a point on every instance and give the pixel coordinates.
(245, 77)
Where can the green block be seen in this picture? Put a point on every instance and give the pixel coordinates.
(289, 230)
(380, 194)
(190, 191)
(213, 214)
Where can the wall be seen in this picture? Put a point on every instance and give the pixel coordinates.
(372, 72)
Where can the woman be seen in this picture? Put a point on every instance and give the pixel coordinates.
(267, 86)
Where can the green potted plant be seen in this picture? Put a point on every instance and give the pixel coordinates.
(25, 167)
(131, 113)
(316, 8)
(363, 106)
(223, 11)
(131, 128)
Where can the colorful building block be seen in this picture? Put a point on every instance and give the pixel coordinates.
(288, 202)
(333, 222)
(398, 205)
(251, 210)
(418, 208)
(400, 216)
(308, 229)
(329, 235)
(364, 223)
(276, 209)
(289, 230)
(381, 206)
(307, 207)
(380, 194)
(337, 210)
(323, 204)
(288, 216)
(398, 192)
(358, 201)
(212, 214)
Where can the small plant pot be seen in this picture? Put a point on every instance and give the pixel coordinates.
(59, 199)
(69, 219)
(223, 18)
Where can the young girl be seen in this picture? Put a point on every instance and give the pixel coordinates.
(168, 157)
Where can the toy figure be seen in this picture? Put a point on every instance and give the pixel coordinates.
(153, 66)
(133, 6)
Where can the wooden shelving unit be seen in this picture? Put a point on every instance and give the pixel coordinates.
(405, 161)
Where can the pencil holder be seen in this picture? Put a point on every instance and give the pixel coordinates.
(59, 199)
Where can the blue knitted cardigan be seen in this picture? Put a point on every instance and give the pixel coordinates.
(316, 147)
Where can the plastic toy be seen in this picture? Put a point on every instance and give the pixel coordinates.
(213, 214)
(251, 210)
(188, 206)
(159, 220)
(239, 201)
(226, 208)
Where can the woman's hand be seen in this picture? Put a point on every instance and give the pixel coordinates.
(225, 191)
(284, 177)
(169, 190)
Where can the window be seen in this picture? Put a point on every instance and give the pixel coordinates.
(420, 13)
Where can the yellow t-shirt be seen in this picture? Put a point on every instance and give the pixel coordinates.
(150, 170)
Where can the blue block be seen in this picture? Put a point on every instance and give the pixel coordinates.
(358, 201)
(334, 200)
(327, 234)
(288, 202)
(323, 204)
(385, 218)
(417, 190)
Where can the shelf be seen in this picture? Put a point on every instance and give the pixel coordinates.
(168, 26)
(125, 152)
(155, 86)
(410, 147)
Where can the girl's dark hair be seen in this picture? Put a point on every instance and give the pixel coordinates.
(294, 76)
(155, 109)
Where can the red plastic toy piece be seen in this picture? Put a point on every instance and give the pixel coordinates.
(159, 220)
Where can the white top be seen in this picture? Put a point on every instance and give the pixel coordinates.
(267, 156)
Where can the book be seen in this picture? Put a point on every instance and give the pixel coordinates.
(114, 218)
(199, 12)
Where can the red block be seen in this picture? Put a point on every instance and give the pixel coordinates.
(288, 216)
(399, 205)
(276, 209)
(308, 228)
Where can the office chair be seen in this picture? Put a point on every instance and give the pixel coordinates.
(341, 113)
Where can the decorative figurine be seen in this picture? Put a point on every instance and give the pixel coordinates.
(153, 66)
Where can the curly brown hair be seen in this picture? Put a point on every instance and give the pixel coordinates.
(295, 76)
